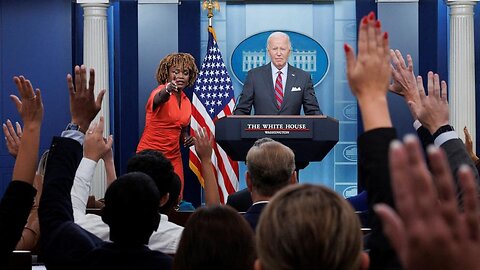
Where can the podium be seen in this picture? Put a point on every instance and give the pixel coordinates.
(310, 137)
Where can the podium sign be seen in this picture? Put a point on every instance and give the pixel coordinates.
(310, 137)
(277, 128)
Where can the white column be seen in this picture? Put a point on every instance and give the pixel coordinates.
(462, 66)
(95, 55)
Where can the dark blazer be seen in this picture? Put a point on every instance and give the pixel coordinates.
(253, 214)
(66, 245)
(373, 169)
(258, 91)
(14, 210)
(240, 200)
(457, 154)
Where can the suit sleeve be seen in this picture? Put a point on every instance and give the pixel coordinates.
(457, 156)
(64, 243)
(310, 103)
(245, 100)
(14, 210)
(373, 169)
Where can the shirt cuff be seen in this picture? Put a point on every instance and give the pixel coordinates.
(444, 137)
(417, 124)
(74, 134)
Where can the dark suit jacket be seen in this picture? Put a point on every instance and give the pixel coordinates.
(457, 154)
(14, 210)
(253, 214)
(65, 244)
(258, 91)
(240, 200)
(373, 169)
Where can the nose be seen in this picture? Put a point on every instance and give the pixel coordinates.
(179, 75)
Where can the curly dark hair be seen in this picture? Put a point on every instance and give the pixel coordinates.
(177, 59)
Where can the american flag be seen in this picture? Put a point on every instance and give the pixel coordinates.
(213, 98)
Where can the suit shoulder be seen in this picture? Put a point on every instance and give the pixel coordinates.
(259, 69)
(297, 70)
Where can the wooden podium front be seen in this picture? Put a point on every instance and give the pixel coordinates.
(310, 137)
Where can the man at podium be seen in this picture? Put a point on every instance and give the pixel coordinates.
(278, 88)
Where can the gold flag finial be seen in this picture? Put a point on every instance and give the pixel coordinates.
(210, 5)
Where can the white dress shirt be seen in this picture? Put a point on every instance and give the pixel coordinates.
(165, 239)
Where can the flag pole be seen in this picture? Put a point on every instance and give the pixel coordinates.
(210, 5)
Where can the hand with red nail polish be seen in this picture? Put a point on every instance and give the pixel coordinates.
(369, 72)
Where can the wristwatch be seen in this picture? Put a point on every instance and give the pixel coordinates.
(442, 129)
(73, 126)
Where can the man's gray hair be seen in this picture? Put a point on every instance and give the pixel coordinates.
(279, 34)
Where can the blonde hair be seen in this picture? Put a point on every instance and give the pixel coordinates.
(185, 60)
(309, 227)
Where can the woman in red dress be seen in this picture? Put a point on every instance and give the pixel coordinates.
(168, 110)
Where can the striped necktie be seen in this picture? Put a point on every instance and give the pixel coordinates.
(279, 90)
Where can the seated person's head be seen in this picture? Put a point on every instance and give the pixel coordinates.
(177, 62)
(131, 209)
(309, 227)
(174, 198)
(216, 238)
(158, 167)
(271, 166)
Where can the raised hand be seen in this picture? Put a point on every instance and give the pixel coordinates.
(95, 146)
(428, 231)
(469, 145)
(431, 110)
(83, 106)
(203, 145)
(12, 137)
(404, 81)
(369, 73)
(29, 105)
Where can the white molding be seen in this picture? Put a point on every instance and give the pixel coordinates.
(95, 55)
(158, 1)
(461, 2)
(396, 1)
(461, 89)
(93, 1)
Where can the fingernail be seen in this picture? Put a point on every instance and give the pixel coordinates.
(395, 144)
(432, 149)
(365, 20)
(385, 35)
(464, 168)
(371, 16)
(8, 120)
(377, 24)
(346, 48)
(409, 138)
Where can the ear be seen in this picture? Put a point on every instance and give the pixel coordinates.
(257, 265)
(164, 199)
(248, 179)
(364, 261)
(293, 178)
